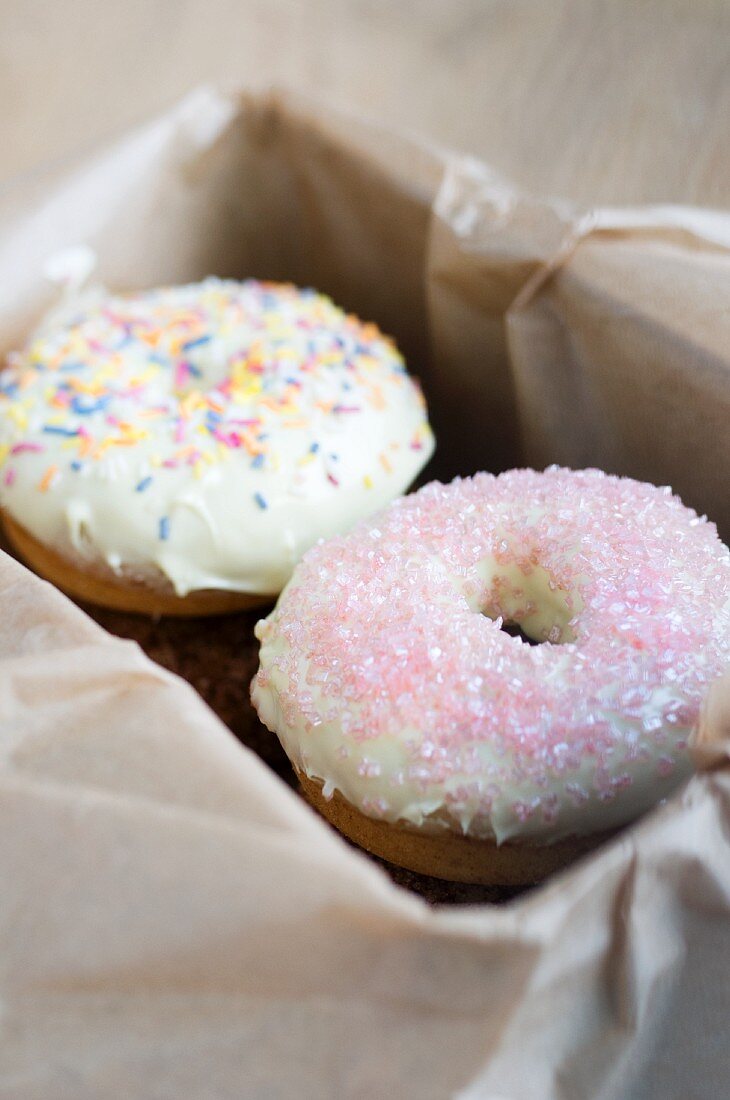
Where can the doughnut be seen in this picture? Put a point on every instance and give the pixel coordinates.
(175, 451)
(441, 741)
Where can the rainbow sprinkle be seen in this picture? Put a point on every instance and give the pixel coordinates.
(193, 377)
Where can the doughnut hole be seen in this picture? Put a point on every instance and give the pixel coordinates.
(530, 604)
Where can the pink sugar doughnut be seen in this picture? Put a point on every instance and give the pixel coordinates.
(388, 679)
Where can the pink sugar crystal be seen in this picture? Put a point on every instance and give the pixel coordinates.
(645, 585)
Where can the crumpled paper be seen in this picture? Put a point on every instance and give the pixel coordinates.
(173, 920)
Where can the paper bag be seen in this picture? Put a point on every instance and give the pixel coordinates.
(174, 921)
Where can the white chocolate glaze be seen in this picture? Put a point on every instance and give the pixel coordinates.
(205, 435)
(386, 674)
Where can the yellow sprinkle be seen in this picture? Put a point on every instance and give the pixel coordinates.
(242, 394)
(309, 457)
(18, 416)
(155, 460)
(48, 478)
(367, 481)
(145, 376)
(189, 404)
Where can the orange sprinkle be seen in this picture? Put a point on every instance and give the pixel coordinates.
(377, 400)
(270, 403)
(47, 479)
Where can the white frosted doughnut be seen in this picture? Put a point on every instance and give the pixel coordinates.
(385, 673)
(205, 435)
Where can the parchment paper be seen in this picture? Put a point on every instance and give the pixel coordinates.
(174, 922)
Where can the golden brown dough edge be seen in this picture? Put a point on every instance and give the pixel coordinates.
(448, 855)
(128, 594)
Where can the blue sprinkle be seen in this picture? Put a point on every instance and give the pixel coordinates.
(257, 462)
(52, 429)
(144, 484)
(195, 371)
(83, 407)
(76, 465)
(159, 358)
(314, 448)
(260, 500)
(195, 343)
(165, 528)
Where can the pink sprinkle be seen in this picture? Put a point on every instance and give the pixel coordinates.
(26, 448)
(182, 373)
(10, 476)
(229, 439)
(331, 478)
(180, 431)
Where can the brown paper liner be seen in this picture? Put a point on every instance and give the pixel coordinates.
(130, 595)
(448, 855)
